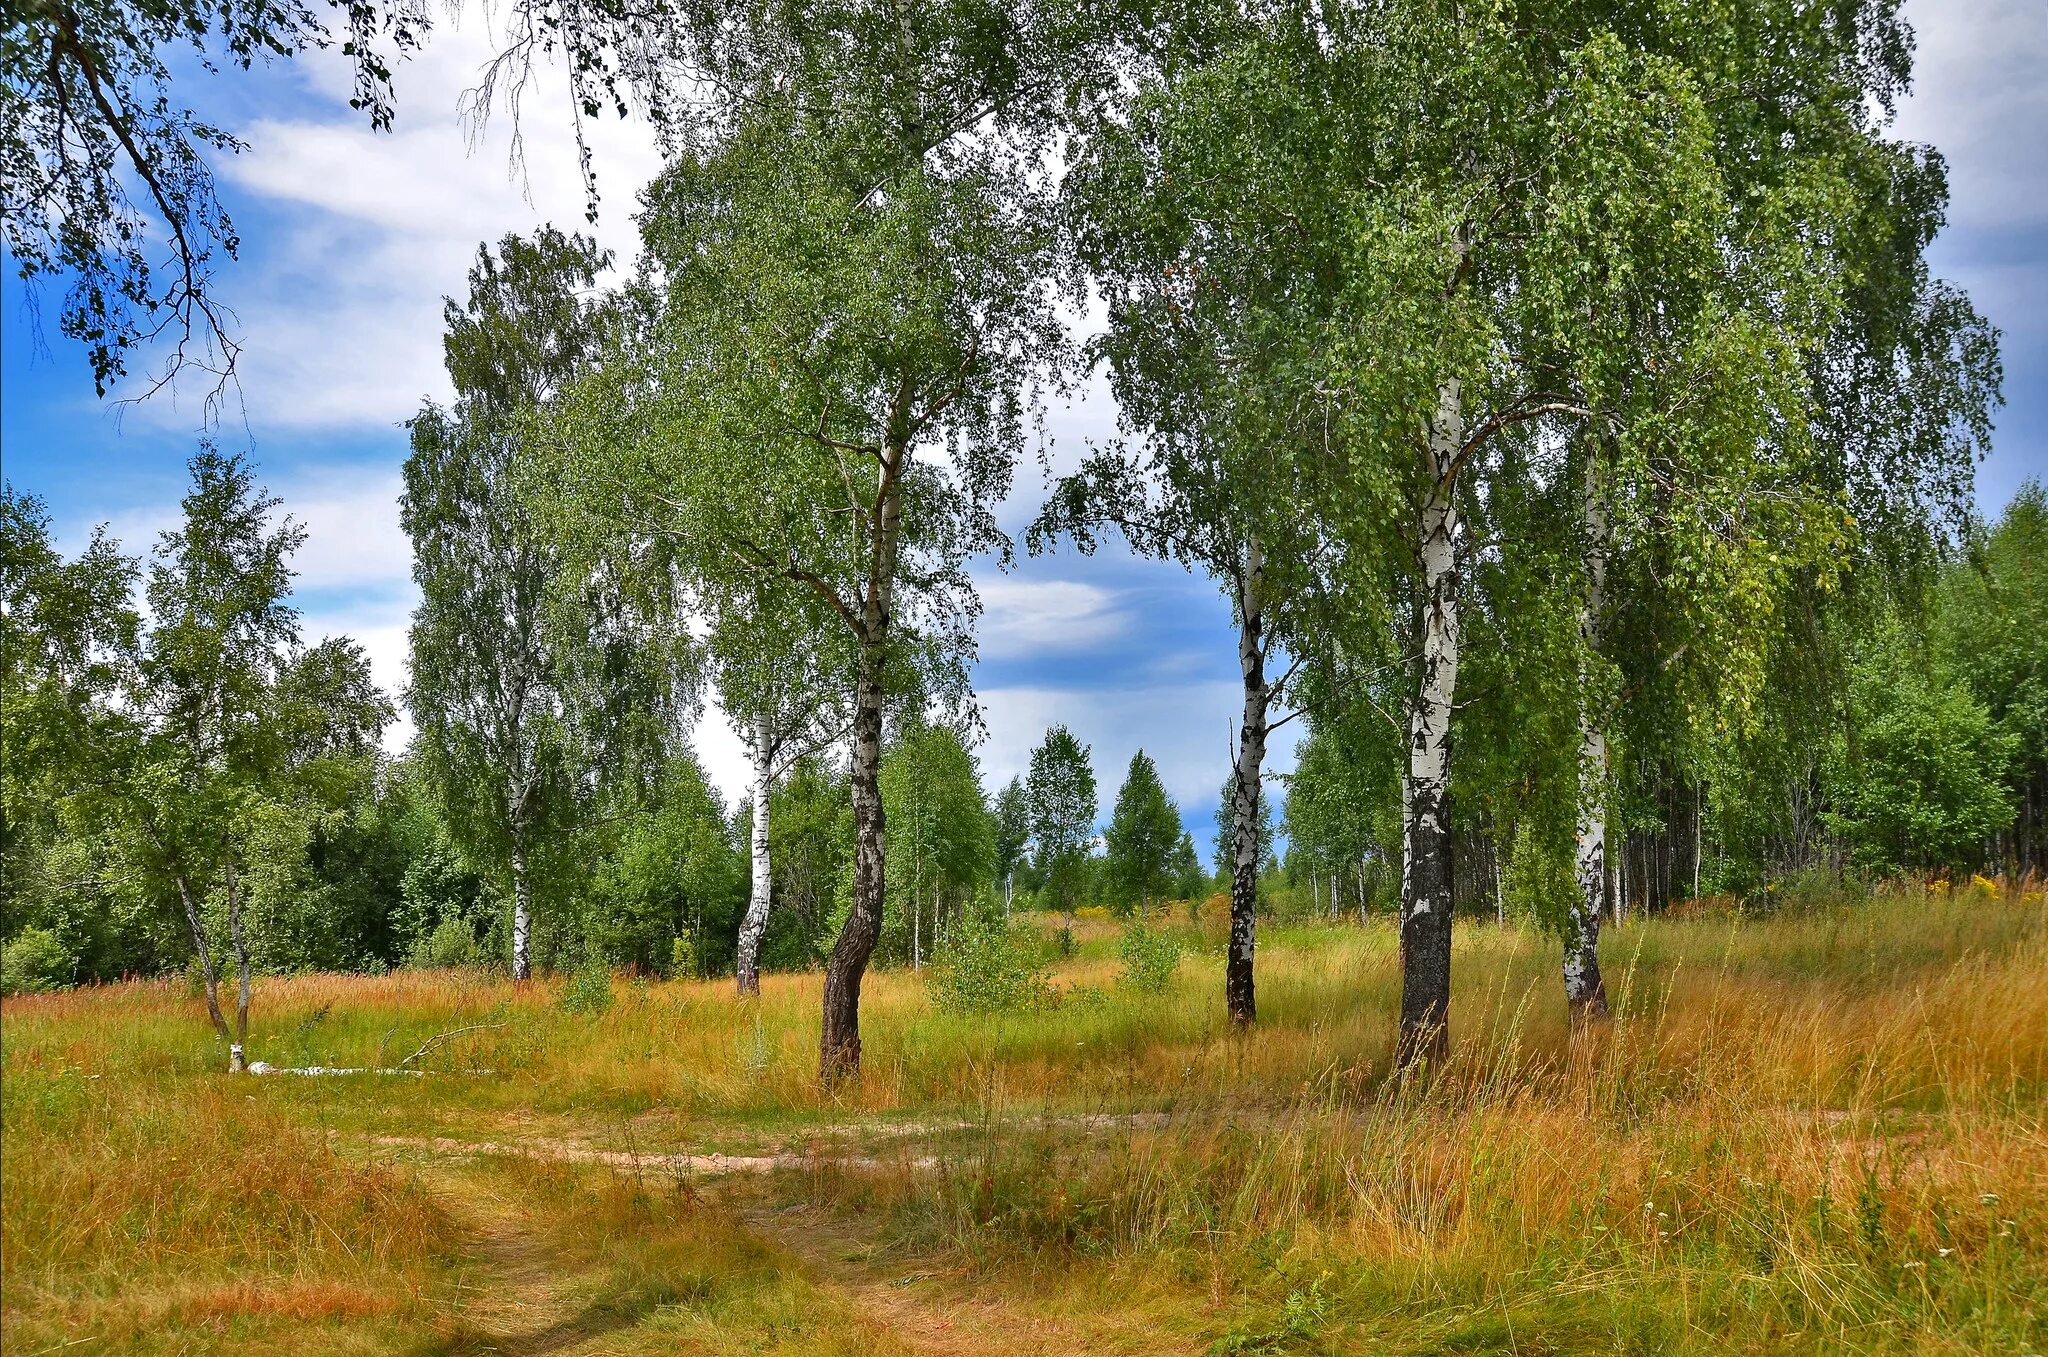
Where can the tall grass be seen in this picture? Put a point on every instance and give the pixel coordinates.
(133, 1209)
(1817, 1133)
(1822, 1129)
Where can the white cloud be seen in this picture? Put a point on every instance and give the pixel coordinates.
(1025, 617)
(341, 310)
(1981, 96)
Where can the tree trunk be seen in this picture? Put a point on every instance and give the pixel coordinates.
(840, 1039)
(839, 1034)
(1238, 994)
(755, 922)
(522, 908)
(1426, 859)
(238, 1058)
(208, 974)
(1585, 993)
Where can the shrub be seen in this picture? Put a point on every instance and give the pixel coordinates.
(987, 965)
(589, 991)
(35, 963)
(451, 943)
(1150, 957)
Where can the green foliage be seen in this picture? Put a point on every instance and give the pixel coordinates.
(451, 943)
(588, 993)
(810, 844)
(661, 864)
(1061, 790)
(941, 837)
(1150, 956)
(1139, 844)
(35, 961)
(985, 965)
(1191, 881)
(1991, 611)
(1537, 877)
(1919, 778)
(1012, 826)
(1226, 829)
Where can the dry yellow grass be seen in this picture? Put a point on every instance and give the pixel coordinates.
(1814, 1132)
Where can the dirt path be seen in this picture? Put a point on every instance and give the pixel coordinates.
(941, 1312)
(518, 1294)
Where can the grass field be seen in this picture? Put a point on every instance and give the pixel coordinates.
(1821, 1131)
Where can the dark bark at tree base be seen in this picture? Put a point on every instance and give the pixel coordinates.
(1425, 990)
(839, 1038)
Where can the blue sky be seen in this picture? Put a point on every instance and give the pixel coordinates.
(351, 239)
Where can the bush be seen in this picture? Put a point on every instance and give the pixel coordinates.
(1150, 958)
(986, 965)
(589, 991)
(35, 963)
(452, 943)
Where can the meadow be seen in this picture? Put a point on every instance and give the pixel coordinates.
(1819, 1130)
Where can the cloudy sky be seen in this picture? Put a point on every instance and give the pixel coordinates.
(352, 238)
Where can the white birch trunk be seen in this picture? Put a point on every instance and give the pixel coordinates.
(1584, 991)
(754, 924)
(238, 1058)
(522, 910)
(1239, 996)
(1425, 870)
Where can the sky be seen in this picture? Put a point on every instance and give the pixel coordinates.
(352, 238)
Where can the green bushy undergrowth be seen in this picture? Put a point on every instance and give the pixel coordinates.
(1150, 957)
(985, 964)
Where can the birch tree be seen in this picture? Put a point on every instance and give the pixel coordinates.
(489, 682)
(219, 707)
(1012, 833)
(1061, 789)
(780, 668)
(826, 393)
(1439, 233)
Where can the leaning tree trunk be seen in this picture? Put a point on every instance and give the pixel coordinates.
(839, 1035)
(755, 923)
(209, 974)
(1585, 993)
(1426, 855)
(1245, 785)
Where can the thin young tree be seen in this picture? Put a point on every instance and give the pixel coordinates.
(219, 707)
(1013, 833)
(780, 671)
(1061, 791)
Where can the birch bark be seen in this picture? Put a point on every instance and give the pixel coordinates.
(1584, 991)
(755, 922)
(1426, 857)
(839, 1034)
(1238, 991)
(522, 908)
